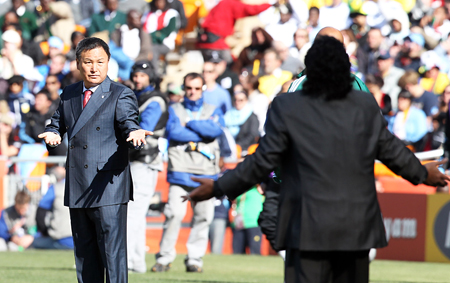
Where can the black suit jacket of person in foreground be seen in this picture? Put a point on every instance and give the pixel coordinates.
(98, 172)
(326, 150)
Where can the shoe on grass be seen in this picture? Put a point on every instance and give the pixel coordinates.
(160, 267)
(194, 268)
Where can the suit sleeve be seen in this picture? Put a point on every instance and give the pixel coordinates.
(127, 113)
(267, 156)
(396, 156)
(57, 124)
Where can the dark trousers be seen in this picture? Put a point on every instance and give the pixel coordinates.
(326, 267)
(250, 237)
(100, 239)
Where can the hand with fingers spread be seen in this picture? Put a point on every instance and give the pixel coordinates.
(138, 137)
(435, 177)
(50, 138)
(203, 192)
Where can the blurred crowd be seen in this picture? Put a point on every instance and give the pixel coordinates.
(400, 49)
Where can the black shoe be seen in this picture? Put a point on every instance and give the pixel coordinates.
(158, 206)
(160, 267)
(193, 268)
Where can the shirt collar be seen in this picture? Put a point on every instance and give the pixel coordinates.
(93, 89)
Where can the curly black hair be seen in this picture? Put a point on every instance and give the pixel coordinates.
(328, 69)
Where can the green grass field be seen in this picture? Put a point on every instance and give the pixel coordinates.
(57, 267)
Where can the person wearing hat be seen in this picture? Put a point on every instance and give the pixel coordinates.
(175, 93)
(19, 100)
(147, 162)
(13, 61)
(390, 75)
(434, 80)
(410, 123)
(409, 56)
(359, 26)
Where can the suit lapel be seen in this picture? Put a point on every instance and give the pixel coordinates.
(76, 101)
(97, 99)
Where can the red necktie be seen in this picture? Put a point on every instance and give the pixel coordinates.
(87, 96)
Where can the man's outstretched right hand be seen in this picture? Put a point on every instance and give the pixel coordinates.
(50, 138)
(435, 177)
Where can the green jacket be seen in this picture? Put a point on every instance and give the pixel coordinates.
(100, 24)
(296, 85)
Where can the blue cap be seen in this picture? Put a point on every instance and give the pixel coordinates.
(416, 38)
(384, 54)
(56, 42)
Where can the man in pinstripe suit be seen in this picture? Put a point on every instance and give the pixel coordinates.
(100, 118)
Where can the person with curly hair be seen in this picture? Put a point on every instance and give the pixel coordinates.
(325, 138)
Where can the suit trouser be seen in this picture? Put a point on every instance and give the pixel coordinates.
(99, 236)
(144, 183)
(175, 210)
(326, 267)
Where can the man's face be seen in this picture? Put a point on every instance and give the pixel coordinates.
(209, 72)
(271, 63)
(111, 5)
(384, 64)
(134, 19)
(42, 103)
(22, 209)
(313, 18)
(56, 65)
(301, 38)
(52, 84)
(140, 80)
(374, 39)
(193, 88)
(93, 66)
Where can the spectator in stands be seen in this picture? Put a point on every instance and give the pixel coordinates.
(283, 29)
(422, 99)
(53, 218)
(226, 78)
(8, 145)
(53, 85)
(145, 163)
(19, 100)
(367, 54)
(175, 93)
(178, 6)
(409, 56)
(17, 223)
(375, 85)
(390, 75)
(11, 19)
(258, 101)
(55, 19)
(34, 122)
(13, 61)
(242, 122)
(192, 130)
(220, 23)
(301, 46)
(162, 23)
(313, 26)
(261, 41)
(130, 43)
(43, 13)
(290, 64)
(336, 15)
(274, 77)
(30, 47)
(436, 27)
(433, 79)
(75, 37)
(214, 94)
(108, 19)
(410, 123)
(359, 26)
(27, 19)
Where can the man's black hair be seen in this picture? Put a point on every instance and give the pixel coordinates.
(90, 43)
(328, 68)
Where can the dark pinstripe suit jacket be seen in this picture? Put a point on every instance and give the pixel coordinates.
(98, 172)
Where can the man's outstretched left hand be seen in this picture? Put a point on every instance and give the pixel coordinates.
(203, 192)
(138, 137)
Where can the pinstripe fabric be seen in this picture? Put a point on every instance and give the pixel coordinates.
(98, 235)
